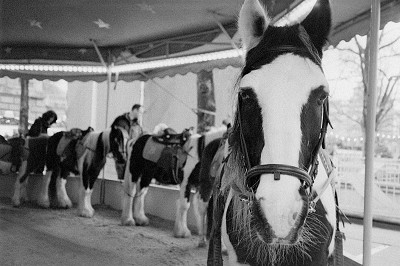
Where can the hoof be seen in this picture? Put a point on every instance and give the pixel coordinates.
(182, 233)
(86, 213)
(44, 203)
(16, 203)
(128, 222)
(142, 221)
(67, 204)
(202, 243)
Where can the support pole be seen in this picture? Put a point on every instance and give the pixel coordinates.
(103, 181)
(370, 131)
(24, 109)
(205, 100)
(141, 102)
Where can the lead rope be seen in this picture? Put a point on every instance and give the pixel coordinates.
(214, 257)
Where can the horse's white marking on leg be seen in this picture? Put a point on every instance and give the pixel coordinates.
(200, 211)
(43, 198)
(138, 211)
(16, 199)
(62, 196)
(129, 191)
(182, 207)
(85, 206)
(225, 238)
(128, 194)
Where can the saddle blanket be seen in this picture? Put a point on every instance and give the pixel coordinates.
(152, 150)
(89, 141)
(64, 141)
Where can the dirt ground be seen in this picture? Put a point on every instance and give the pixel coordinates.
(33, 236)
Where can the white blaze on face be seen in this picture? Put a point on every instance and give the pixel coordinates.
(282, 88)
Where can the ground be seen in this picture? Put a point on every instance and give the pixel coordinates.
(33, 236)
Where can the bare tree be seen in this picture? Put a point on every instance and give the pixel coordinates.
(355, 57)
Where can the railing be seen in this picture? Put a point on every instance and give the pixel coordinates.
(350, 185)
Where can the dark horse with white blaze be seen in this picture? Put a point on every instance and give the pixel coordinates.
(58, 154)
(91, 154)
(270, 207)
(159, 157)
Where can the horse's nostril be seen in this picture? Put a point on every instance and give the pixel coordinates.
(294, 216)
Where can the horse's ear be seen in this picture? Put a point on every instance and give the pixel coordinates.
(318, 23)
(252, 24)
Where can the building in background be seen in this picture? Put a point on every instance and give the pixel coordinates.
(43, 95)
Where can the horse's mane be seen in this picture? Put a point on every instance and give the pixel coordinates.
(121, 121)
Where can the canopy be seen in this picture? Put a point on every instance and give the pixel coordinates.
(86, 32)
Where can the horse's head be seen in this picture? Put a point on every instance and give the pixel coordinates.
(119, 137)
(122, 121)
(280, 109)
(185, 138)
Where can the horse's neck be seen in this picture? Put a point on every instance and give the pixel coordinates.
(106, 140)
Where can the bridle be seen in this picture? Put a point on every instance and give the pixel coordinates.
(307, 178)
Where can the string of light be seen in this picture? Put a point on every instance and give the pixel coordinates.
(382, 136)
(298, 12)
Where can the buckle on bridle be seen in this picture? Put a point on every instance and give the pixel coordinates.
(311, 206)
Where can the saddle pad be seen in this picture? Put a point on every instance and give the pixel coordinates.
(5, 149)
(89, 141)
(152, 150)
(62, 144)
(217, 160)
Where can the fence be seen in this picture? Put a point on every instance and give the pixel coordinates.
(350, 185)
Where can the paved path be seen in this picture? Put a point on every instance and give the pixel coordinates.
(33, 236)
(385, 244)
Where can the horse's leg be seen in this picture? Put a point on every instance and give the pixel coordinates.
(200, 211)
(62, 196)
(182, 206)
(138, 208)
(18, 193)
(85, 208)
(127, 199)
(43, 198)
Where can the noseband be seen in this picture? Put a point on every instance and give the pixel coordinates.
(307, 178)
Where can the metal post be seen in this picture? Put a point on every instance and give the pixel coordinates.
(103, 182)
(24, 109)
(370, 130)
(141, 102)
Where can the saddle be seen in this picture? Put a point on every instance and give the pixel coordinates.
(14, 152)
(73, 134)
(169, 137)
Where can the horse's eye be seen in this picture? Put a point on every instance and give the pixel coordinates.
(322, 97)
(321, 100)
(246, 93)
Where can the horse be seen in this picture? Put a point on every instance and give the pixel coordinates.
(209, 166)
(270, 207)
(61, 160)
(191, 181)
(12, 153)
(43, 151)
(91, 154)
(159, 157)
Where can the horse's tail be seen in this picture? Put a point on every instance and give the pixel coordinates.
(205, 179)
(53, 185)
(201, 145)
(210, 213)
